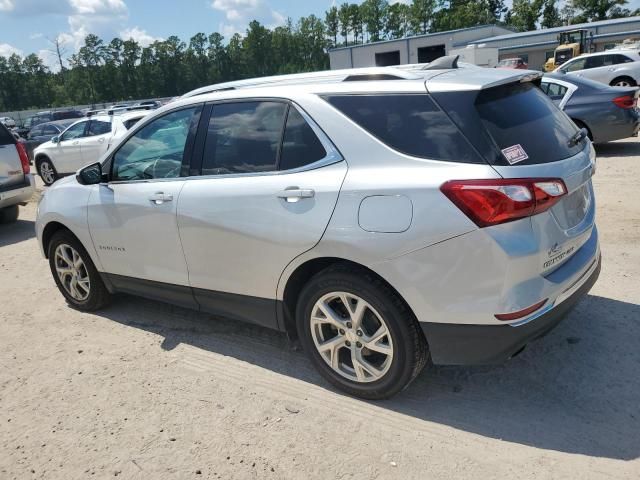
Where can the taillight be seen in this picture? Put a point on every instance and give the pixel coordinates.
(491, 202)
(505, 317)
(626, 101)
(24, 158)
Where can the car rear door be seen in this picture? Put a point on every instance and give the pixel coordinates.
(96, 140)
(265, 196)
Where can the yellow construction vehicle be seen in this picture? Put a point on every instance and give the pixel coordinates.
(570, 44)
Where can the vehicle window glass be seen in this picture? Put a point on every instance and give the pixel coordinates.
(617, 59)
(556, 90)
(157, 150)
(411, 124)
(575, 66)
(49, 130)
(594, 62)
(98, 127)
(536, 113)
(300, 145)
(35, 132)
(75, 131)
(131, 122)
(243, 137)
(5, 136)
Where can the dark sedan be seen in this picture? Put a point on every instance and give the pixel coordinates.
(608, 113)
(43, 133)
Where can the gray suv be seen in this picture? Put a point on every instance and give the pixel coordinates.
(383, 216)
(16, 182)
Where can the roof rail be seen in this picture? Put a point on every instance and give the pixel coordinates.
(374, 76)
(443, 63)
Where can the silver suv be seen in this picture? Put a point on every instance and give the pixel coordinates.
(17, 185)
(382, 216)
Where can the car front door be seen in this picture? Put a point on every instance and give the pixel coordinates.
(132, 218)
(265, 196)
(68, 151)
(94, 144)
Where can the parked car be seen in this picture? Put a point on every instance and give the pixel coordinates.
(516, 63)
(149, 103)
(8, 122)
(608, 113)
(618, 68)
(81, 143)
(43, 133)
(346, 208)
(16, 182)
(51, 116)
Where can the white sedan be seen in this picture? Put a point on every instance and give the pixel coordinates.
(82, 143)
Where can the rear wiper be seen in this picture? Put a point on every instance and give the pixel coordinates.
(577, 137)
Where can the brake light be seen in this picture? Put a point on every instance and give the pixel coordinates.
(505, 317)
(491, 202)
(626, 101)
(24, 158)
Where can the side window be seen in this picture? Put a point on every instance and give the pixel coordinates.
(574, 66)
(157, 150)
(410, 123)
(594, 62)
(300, 145)
(621, 59)
(131, 122)
(243, 137)
(556, 91)
(35, 132)
(49, 130)
(74, 131)
(98, 127)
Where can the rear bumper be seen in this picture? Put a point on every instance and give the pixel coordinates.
(17, 194)
(458, 344)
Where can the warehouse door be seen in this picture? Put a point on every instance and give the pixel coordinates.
(429, 54)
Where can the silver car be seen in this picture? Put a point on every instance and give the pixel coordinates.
(382, 216)
(17, 185)
(618, 68)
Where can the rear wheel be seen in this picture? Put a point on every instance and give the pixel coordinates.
(359, 333)
(46, 171)
(74, 273)
(9, 214)
(623, 82)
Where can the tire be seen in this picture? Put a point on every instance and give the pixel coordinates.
(9, 214)
(46, 170)
(89, 287)
(623, 82)
(405, 347)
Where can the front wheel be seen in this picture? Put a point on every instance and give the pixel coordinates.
(359, 333)
(47, 171)
(74, 273)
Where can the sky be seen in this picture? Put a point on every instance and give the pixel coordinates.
(27, 26)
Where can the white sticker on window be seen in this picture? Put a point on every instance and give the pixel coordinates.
(514, 154)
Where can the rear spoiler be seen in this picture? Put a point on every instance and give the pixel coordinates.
(524, 78)
(477, 78)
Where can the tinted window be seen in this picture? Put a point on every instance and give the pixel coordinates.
(75, 131)
(554, 89)
(616, 59)
(131, 122)
(412, 124)
(49, 130)
(521, 114)
(98, 127)
(5, 136)
(300, 146)
(243, 137)
(36, 131)
(157, 150)
(594, 62)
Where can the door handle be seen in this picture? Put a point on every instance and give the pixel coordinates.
(295, 194)
(76, 142)
(101, 140)
(159, 198)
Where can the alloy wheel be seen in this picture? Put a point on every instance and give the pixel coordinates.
(351, 337)
(46, 172)
(72, 272)
(622, 83)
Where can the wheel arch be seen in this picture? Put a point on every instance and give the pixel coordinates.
(582, 124)
(299, 277)
(624, 76)
(49, 230)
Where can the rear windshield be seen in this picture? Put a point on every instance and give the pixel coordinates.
(410, 123)
(526, 125)
(5, 136)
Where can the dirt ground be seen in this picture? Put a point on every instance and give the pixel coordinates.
(144, 390)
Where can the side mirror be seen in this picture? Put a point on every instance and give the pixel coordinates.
(90, 175)
(55, 139)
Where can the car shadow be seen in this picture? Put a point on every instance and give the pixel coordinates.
(629, 147)
(577, 390)
(16, 232)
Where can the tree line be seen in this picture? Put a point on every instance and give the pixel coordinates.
(123, 69)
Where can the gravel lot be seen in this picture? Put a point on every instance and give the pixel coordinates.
(145, 390)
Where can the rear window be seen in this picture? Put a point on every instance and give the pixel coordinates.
(521, 118)
(411, 124)
(5, 136)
